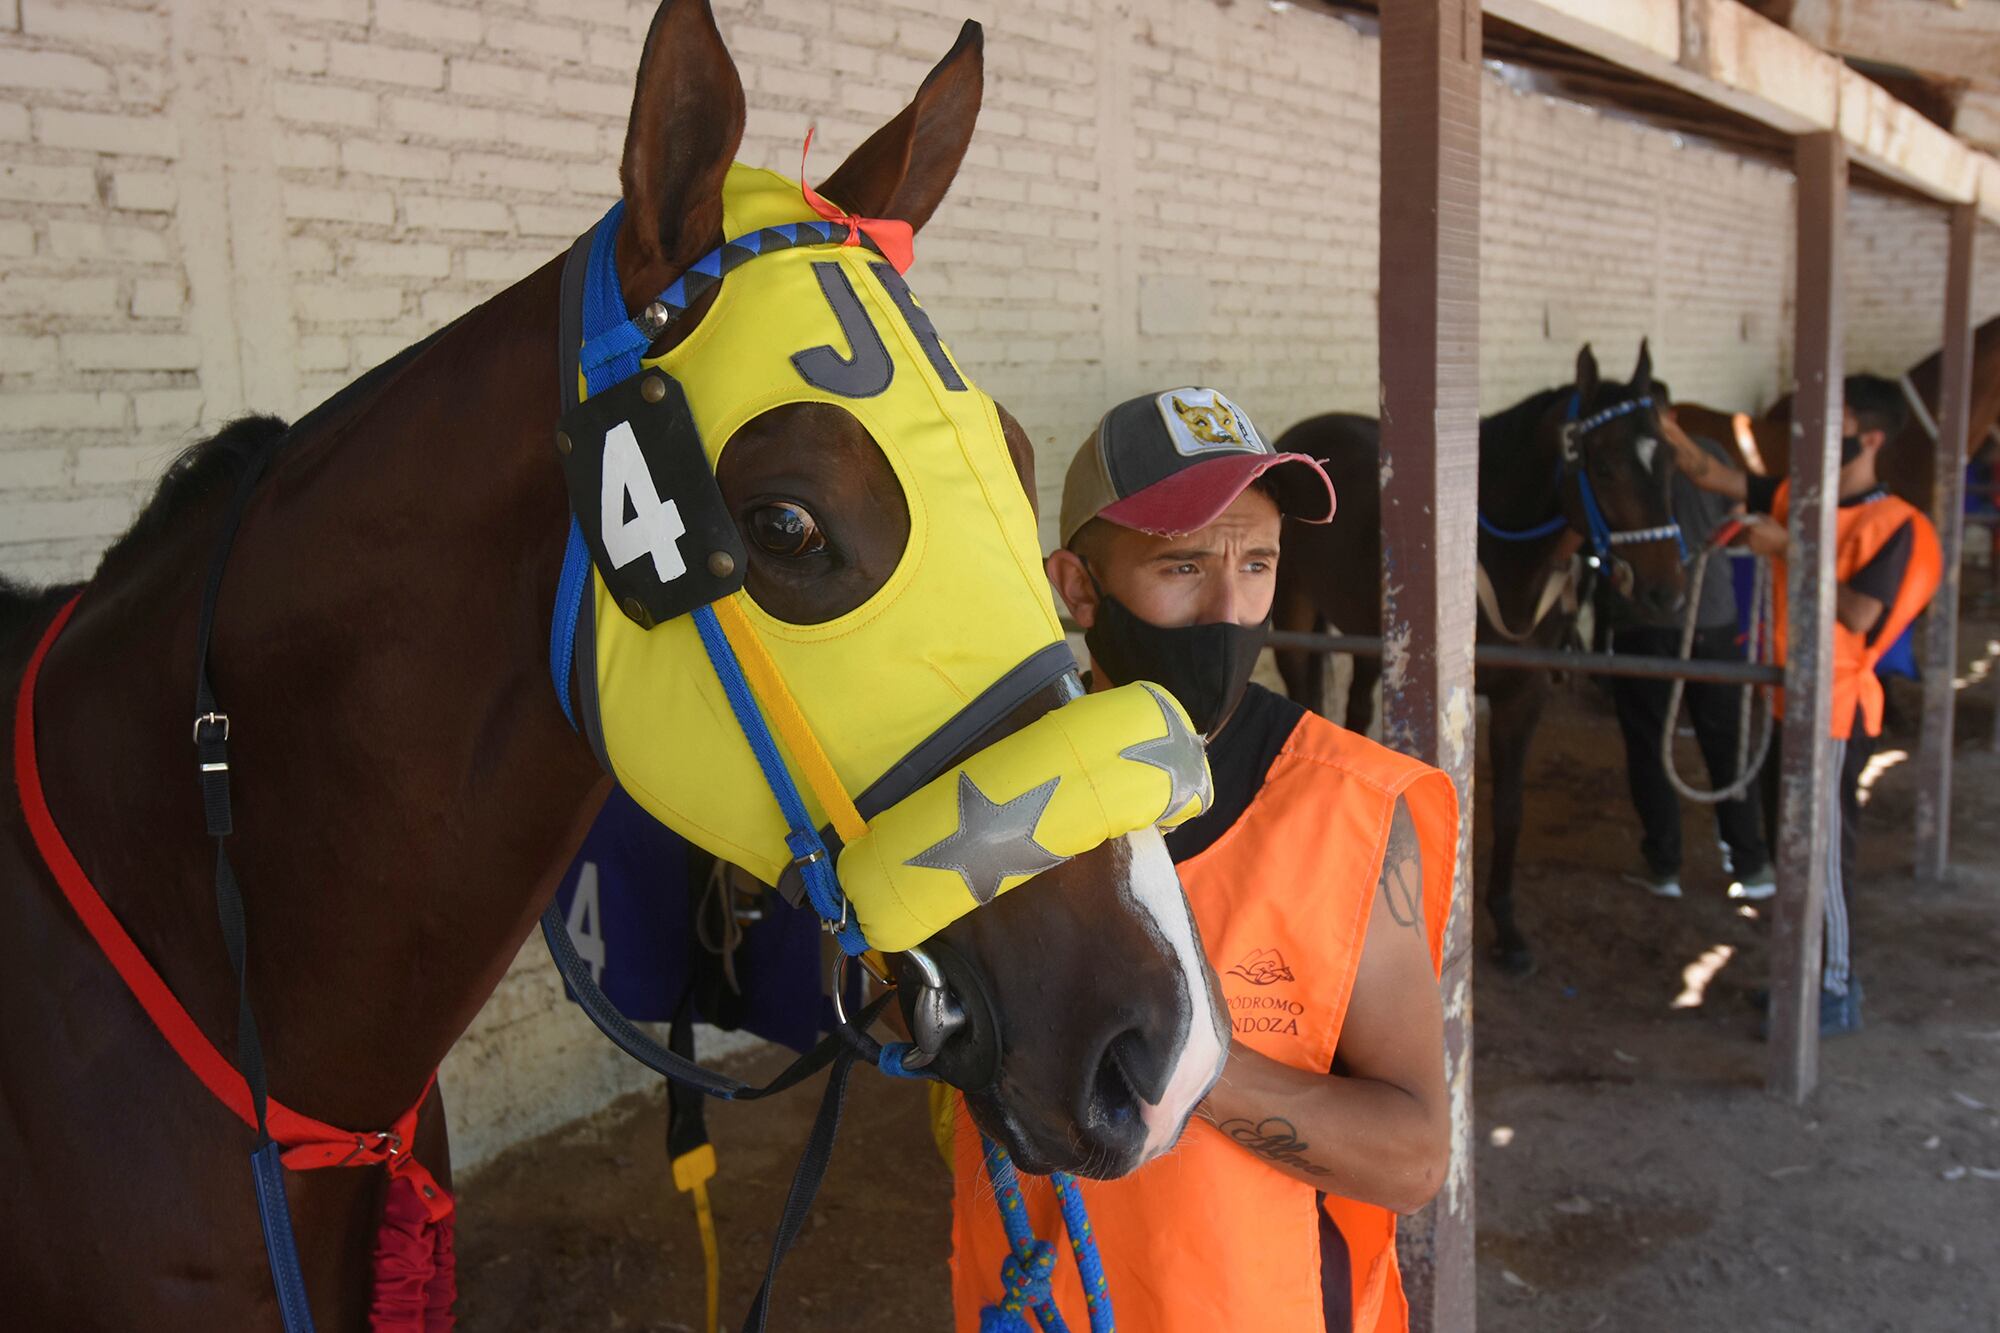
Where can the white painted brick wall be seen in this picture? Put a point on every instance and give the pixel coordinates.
(208, 207)
(1895, 277)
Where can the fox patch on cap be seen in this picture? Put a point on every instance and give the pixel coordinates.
(1201, 421)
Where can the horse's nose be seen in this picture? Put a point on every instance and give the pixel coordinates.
(1661, 600)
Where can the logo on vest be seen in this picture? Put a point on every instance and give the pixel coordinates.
(1263, 967)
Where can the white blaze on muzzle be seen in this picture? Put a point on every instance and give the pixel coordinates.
(879, 701)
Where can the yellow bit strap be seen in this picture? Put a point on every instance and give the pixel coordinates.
(692, 1172)
(782, 711)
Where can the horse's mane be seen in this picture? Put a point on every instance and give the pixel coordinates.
(201, 470)
(1519, 420)
(198, 472)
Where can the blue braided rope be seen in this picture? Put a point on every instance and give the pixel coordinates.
(1025, 1274)
(1083, 1243)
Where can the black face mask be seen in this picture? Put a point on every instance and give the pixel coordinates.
(1850, 449)
(1206, 667)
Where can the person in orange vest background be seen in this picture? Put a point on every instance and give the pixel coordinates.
(1319, 880)
(1887, 566)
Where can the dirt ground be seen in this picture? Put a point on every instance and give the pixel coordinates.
(1632, 1173)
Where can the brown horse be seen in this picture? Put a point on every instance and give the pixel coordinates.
(408, 793)
(1526, 486)
(1909, 462)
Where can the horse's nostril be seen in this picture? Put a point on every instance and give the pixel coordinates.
(1111, 1101)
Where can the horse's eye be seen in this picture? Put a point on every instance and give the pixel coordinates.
(783, 528)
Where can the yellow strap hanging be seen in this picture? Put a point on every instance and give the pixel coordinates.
(782, 711)
(692, 1172)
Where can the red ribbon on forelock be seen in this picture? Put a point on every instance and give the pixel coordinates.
(892, 236)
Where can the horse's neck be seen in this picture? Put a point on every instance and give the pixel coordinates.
(406, 790)
(1519, 486)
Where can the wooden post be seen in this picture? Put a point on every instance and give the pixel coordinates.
(1805, 825)
(1948, 513)
(1429, 330)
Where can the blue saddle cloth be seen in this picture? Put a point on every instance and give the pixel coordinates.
(630, 899)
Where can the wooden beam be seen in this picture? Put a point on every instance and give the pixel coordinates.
(1934, 755)
(1935, 36)
(1806, 753)
(1428, 323)
(1907, 147)
(1977, 120)
(1731, 56)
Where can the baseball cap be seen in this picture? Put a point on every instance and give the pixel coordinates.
(1168, 463)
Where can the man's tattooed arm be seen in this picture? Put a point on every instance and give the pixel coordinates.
(1376, 1126)
(1403, 872)
(1274, 1139)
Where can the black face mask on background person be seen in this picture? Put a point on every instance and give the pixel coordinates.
(1850, 449)
(1205, 667)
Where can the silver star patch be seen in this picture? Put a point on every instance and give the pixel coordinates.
(1178, 754)
(994, 841)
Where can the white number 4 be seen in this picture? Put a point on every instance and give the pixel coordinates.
(586, 922)
(655, 528)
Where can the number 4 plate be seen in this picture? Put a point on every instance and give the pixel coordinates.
(647, 499)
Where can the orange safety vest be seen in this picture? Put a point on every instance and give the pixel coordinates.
(1209, 1236)
(1860, 531)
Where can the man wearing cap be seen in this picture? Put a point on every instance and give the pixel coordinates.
(1319, 879)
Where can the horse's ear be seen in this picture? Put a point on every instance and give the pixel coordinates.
(906, 166)
(1642, 374)
(687, 120)
(1586, 377)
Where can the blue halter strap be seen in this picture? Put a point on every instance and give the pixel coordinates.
(1600, 532)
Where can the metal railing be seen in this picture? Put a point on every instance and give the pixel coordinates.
(1516, 657)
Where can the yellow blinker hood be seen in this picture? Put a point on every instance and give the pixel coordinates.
(960, 633)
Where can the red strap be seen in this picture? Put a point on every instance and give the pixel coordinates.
(892, 236)
(308, 1143)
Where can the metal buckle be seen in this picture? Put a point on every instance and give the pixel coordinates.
(381, 1136)
(222, 718)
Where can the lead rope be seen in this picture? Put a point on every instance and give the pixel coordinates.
(1761, 629)
(1025, 1273)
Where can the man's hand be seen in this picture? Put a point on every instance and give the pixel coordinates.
(1378, 1128)
(1700, 467)
(1767, 537)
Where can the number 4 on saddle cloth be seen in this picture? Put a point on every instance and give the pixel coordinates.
(661, 930)
(673, 935)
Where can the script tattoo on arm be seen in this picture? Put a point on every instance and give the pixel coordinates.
(1403, 872)
(1274, 1139)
